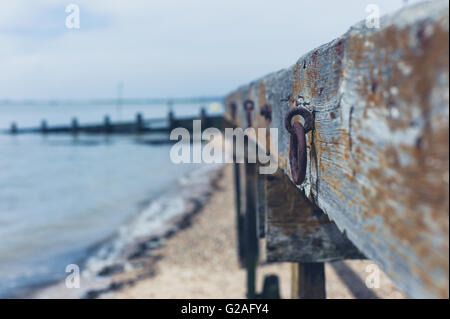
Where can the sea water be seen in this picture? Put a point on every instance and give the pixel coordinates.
(61, 196)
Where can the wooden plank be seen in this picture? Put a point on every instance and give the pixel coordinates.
(378, 154)
(297, 230)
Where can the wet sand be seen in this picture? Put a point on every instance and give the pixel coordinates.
(200, 261)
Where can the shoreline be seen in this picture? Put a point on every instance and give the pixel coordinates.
(130, 250)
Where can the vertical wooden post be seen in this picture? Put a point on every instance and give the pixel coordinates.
(204, 117)
(261, 188)
(239, 219)
(74, 125)
(13, 129)
(44, 126)
(271, 287)
(308, 281)
(250, 225)
(107, 124)
(261, 204)
(139, 122)
(171, 118)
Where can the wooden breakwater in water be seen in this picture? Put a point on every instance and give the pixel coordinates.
(139, 126)
(376, 115)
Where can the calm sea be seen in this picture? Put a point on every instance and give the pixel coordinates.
(60, 196)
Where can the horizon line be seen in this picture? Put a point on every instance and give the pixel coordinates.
(107, 101)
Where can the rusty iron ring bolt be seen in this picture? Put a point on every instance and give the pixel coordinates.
(249, 106)
(266, 112)
(297, 151)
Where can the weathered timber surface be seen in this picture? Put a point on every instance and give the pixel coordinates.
(378, 156)
(297, 230)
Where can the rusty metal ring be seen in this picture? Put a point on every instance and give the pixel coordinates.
(303, 112)
(251, 103)
(297, 153)
(248, 111)
(297, 147)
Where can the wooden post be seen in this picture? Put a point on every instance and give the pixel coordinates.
(308, 281)
(107, 124)
(237, 201)
(13, 129)
(261, 204)
(271, 287)
(250, 226)
(44, 127)
(74, 125)
(139, 122)
(203, 117)
(171, 117)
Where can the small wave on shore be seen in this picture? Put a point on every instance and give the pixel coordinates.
(132, 250)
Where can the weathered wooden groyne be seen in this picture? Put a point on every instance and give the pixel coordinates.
(139, 126)
(371, 112)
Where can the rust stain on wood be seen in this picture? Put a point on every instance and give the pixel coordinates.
(299, 231)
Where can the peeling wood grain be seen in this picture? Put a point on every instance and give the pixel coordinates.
(378, 160)
(297, 230)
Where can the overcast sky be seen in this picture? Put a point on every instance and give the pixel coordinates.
(161, 48)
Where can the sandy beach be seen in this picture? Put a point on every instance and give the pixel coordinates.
(200, 261)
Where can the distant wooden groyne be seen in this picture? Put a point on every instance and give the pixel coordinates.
(112, 101)
(139, 126)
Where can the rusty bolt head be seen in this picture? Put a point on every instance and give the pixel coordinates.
(249, 105)
(266, 112)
